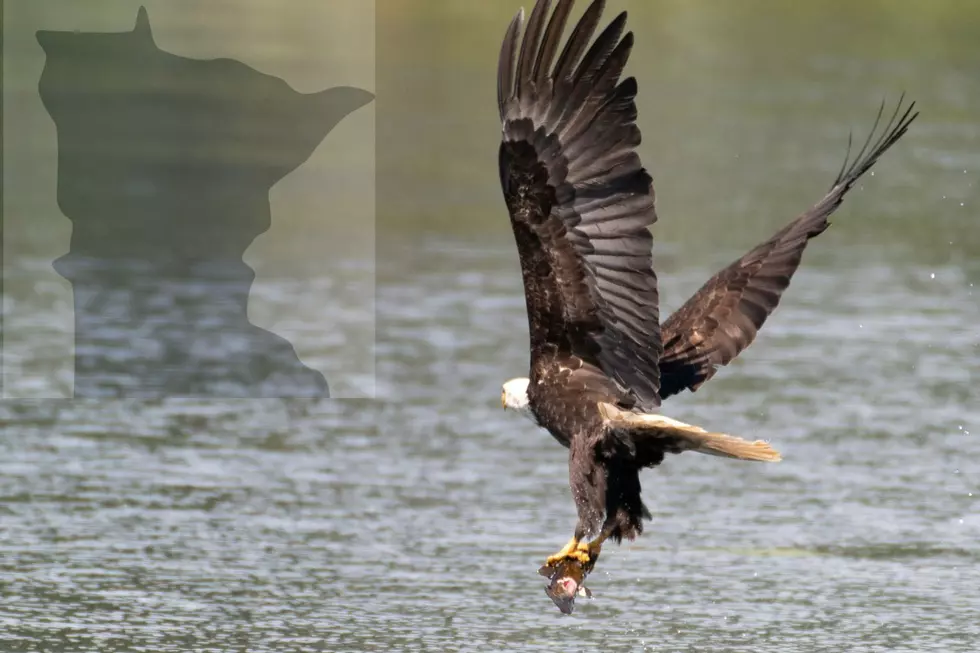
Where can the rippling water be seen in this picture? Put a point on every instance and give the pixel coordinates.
(417, 521)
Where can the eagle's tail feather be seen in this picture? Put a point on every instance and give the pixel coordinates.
(690, 438)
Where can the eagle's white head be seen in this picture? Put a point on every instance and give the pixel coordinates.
(514, 397)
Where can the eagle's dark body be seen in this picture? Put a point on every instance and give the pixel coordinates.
(604, 470)
(581, 204)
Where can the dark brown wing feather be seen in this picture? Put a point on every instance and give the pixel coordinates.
(723, 317)
(579, 199)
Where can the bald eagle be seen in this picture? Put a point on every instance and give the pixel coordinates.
(580, 205)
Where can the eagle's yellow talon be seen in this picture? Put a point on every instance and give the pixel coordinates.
(590, 550)
(584, 552)
(582, 555)
(565, 552)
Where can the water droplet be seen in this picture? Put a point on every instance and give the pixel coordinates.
(961, 203)
(932, 275)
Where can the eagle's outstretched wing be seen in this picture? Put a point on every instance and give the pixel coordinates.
(579, 199)
(722, 318)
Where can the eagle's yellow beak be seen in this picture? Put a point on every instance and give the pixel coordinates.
(503, 399)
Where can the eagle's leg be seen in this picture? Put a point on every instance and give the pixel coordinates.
(588, 480)
(591, 549)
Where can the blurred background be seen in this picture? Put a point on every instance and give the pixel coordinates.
(417, 521)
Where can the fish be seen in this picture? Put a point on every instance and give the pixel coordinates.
(567, 578)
